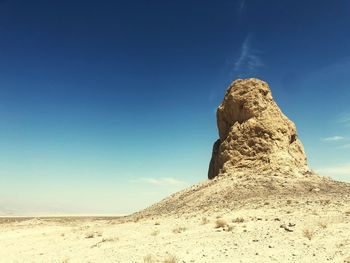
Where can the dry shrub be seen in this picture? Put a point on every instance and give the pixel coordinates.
(111, 239)
(347, 212)
(148, 259)
(205, 221)
(325, 202)
(323, 224)
(179, 229)
(220, 223)
(90, 234)
(308, 233)
(229, 228)
(155, 233)
(238, 220)
(171, 259)
(104, 240)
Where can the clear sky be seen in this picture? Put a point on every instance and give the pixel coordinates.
(108, 106)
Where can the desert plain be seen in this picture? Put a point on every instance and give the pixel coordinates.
(297, 229)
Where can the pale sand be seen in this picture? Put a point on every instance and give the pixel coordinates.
(321, 234)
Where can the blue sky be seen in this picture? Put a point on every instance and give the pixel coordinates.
(108, 106)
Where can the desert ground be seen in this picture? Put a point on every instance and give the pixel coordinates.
(296, 229)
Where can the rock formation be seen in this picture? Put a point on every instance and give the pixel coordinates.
(254, 134)
(257, 160)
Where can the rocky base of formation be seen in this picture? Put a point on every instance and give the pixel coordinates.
(228, 192)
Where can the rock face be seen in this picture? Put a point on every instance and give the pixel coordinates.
(254, 134)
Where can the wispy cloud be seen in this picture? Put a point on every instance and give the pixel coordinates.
(341, 172)
(345, 146)
(241, 6)
(344, 119)
(248, 59)
(162, 181)
(333, 139)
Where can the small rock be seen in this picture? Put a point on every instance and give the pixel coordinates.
(286, 228)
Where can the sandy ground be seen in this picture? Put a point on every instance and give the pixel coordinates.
(293, 230)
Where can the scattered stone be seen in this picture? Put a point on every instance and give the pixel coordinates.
(286, 228)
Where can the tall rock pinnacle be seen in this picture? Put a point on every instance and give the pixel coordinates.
(254, 134)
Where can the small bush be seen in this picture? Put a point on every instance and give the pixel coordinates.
(205, 221)
(325, 202)
(90, 235)
(323, 224)
(229, 228)
(308, 233)
(179, 230)
(238, 220)
(155, 233)
(170, 259)
(148, 259)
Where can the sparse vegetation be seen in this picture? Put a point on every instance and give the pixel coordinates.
(325, 202)
(90, 235)
(308, 233)
(229, 228)
(171, 259)
(220, 223)
(179, 230)
(238, 220)
(109, 239)
(315, 213)
(105, 240)
(205, 221)
(323, 224)
(155, 233)
(148, 259)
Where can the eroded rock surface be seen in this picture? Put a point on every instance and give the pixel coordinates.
(254, 134)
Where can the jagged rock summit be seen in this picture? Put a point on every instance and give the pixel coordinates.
(254, 134)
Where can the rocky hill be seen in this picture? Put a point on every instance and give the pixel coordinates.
(257, 159)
